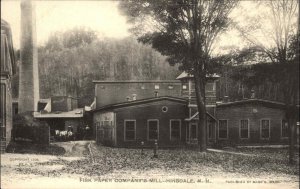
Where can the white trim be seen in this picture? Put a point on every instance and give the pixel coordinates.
(148, 129)
(281, 130)
(226, 129)
(125, 120)
(170, 126)
(268, 119)
(195, 105)
(240, 130)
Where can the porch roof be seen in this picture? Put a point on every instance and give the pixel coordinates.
(195, 117)
(76, 113)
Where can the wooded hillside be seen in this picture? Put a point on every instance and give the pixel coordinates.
(70, 61)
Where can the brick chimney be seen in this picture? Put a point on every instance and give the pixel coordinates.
(29, 76)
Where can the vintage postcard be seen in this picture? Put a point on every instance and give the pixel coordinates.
(149, 94)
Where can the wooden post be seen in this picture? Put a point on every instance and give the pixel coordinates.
(142, 148)
(155, 149)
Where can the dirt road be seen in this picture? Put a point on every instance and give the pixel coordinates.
(75, 148)
(30, 171)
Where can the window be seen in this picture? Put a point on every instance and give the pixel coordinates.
(129, 130)
(153, 129)
(284, 129)
(210, 129)
(3, 111)
(16, 110)
(175, 129)
(184, 87)
(193, 130)
(209, 87)
(265, 129)
(156, 86)
(164, 109)
(244, 129)
(223, 129)
(107, 123)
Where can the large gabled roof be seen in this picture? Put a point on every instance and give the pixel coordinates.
(142, 101)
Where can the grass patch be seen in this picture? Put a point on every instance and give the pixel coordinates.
(187, 162)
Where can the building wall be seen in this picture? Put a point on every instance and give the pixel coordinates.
(254, 114)
(116, 92)
(153, 110)
(6, 71)
(6, 113)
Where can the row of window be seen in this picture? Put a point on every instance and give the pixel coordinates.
(208, 86)
(244, 129)
(152, 129)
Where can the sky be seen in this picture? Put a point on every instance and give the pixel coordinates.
(103, 17)
(52, 16)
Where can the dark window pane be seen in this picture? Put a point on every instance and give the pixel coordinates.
(175, 130)
(3, 110)
(265, 129)
(153, 130)
(222, 128)
(193, 131)
(210, 129)
(244, 129)
(129, 130)
(284, 129)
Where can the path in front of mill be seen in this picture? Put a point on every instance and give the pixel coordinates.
(30, 171)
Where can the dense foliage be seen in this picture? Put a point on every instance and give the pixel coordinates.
(70, 61)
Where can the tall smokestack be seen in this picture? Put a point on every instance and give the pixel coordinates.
(29, 76)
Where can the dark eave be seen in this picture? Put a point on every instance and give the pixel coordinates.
(266, 103)
(137, 81)
(142, 101)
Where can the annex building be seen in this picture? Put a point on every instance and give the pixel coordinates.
(126, 113)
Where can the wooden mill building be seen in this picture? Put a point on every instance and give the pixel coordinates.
(8, 69)
(126, 113)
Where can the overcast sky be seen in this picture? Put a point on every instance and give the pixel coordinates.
(101, 16)
(52, 16)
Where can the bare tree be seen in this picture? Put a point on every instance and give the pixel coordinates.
(276, 42)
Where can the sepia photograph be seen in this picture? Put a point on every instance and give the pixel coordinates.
(149, 94)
